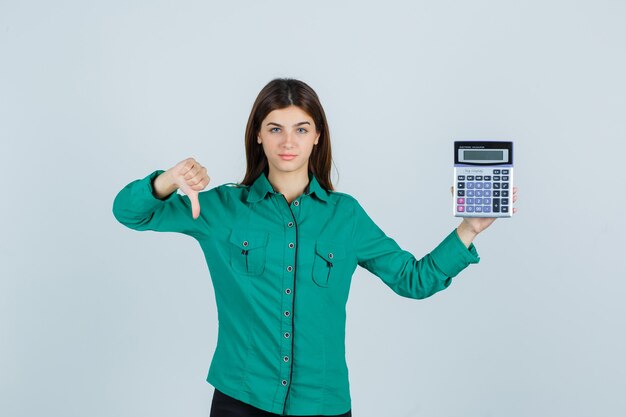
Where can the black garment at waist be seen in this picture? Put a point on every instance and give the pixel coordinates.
(226, 406)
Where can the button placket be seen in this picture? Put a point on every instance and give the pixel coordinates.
(288, 298)
(287, 320)
(287, 302)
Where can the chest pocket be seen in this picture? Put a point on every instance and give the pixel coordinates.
(248, 251)
(328, 262)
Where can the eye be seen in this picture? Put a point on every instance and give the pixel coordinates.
(303, 130)
(272, 129)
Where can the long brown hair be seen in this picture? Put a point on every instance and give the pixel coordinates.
(278, 94)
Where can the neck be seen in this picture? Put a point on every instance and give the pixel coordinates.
(290, 184)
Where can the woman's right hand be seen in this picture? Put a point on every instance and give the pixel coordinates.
(189, 176)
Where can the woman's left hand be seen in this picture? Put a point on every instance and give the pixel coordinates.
(471, 226)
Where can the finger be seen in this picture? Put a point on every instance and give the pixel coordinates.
(201, 185)
(514, 210)
(195, 204)
(187, 166)
(195, 181)
(192, 172)
(452, 190)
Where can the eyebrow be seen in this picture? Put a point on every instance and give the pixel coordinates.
(297, 124)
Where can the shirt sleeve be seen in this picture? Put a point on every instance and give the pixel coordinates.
(399, 269)
(136, 207)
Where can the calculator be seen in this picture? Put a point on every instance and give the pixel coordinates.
(483, 179)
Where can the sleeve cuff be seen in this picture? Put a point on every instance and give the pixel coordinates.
(451, 255)
(149, 179)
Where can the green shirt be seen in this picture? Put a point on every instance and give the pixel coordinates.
(281, 274)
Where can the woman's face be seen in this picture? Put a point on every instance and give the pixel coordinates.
(288, 131)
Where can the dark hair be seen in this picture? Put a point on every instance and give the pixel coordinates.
(278, 94)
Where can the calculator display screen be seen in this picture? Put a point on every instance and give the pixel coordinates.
(483, 152)
(483, 156)
(487, 155)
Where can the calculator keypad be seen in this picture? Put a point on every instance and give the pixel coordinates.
(486, 193)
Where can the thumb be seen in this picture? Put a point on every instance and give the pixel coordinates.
(195, 204)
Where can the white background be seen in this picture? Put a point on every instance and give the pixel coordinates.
(99, 320)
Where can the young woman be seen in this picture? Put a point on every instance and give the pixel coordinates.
(281, 248)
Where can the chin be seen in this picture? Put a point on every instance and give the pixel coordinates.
(286, 166)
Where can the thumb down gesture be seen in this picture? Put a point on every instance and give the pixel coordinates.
(191, 178)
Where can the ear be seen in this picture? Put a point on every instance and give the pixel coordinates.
(317, 138)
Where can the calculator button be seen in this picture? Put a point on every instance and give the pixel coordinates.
(461, 177)
(505, 172)
(470, 185)
(460, 209)
(461, 185)
(479, 209)
(487, 185)
(470, 209)
(505, 185)
(486, 209)
(505, 178)
(486, 193)
(470, 201)
(486, 201)
(496, 178)
(479, 177)
(478, 201)
(479, 193)
(504, 201)
(479, 185)
(496, 193)
(496, 205)
(470, 193)
(496, 171)
(470, 178)
(505, 209)
(487, 177)
(505, 193)
(460, 193)
(496, 185)
(460, 201)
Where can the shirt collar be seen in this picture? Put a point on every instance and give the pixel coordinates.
(261, 186)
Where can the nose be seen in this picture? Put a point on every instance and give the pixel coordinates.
(289, 139)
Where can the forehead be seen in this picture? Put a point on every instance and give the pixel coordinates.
(291, 113)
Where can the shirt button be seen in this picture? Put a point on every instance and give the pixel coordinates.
(245, 243)
(287, 291)
(291, 245)
(286, 335)
(290, 224)
(286, 314)
(286, 358)
(289, 268)
(330, 255)
(295, 203)
(284, 382)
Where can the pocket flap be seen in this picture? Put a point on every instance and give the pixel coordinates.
(331, 251)
(247, 239)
